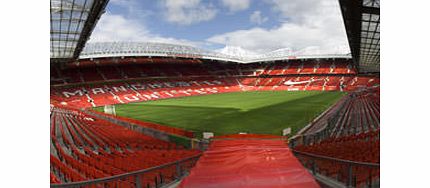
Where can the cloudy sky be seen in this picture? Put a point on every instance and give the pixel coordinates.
(257, 26)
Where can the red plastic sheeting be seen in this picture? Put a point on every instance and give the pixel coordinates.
(248, 163)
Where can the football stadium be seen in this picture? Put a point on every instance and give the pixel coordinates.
(150, 113)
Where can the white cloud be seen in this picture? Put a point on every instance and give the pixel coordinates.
(236, 5)
(187, 12)
(132, 8)
(309, 12)
(257, 18)
(112, 28)
(122, 2)
(307, 26)
(315, 24)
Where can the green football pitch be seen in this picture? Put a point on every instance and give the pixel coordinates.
(264, 112)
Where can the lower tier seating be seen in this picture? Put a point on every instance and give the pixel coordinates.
(363, 147)
(358, 112)
(84, 147)
(155, 89)
(349, 130)
(163, 128)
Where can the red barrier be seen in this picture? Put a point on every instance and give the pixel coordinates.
(260, 136)
(248, 163)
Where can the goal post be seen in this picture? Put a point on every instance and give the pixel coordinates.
(110, 109)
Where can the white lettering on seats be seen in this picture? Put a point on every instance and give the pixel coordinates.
(98, 90)
(130, 97)
(118, 89)
(77, 92)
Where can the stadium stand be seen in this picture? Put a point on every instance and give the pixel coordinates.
(356, 113)
(91, 83)
(125, 92)
(163, 128)
(110, 69)
(84, 147)
(358, 149)
(91, 149)
(362, 147)
(348, 131)
(87, 147)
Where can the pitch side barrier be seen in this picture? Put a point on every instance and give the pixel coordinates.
(281, 138)
(184, 141)
(180, 168)
(345, 173)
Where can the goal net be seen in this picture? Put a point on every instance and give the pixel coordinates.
(110, 109)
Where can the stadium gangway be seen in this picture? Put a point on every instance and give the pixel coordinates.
(311, 161)
(181, 169)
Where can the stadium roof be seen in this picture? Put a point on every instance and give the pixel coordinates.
(128, 49)
(361, 18)
(72, 22)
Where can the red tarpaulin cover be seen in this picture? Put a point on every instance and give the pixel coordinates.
(245, 162)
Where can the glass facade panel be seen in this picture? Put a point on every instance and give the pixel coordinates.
(67, 21)
(369, 42)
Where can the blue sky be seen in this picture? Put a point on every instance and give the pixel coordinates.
(257, 26)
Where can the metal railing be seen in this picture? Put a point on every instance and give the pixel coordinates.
(150, 177)
(330, 125)
(346, 172)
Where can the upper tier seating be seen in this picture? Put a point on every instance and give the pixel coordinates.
(85, 71)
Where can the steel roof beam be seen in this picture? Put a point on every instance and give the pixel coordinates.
(370, 10)
(65, 11)
(64, 39)
(97, 10)
(67, 19)
(352, 11)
